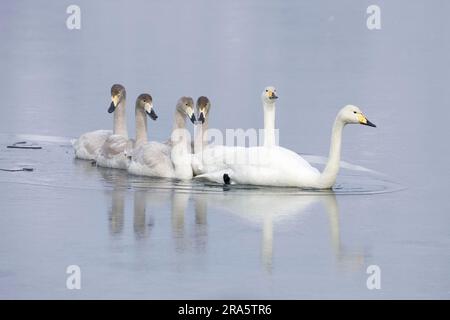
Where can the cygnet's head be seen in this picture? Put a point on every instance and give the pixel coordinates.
(145, 102)
(269, 95)
(118, 94)
(203, 106)
(352, 114)
(185, 106)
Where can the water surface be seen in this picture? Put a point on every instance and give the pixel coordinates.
(135, 237)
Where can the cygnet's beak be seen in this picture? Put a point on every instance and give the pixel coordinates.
(152, 114)
(150, 111)
(201, 117)
(113, 105)
(111, 108)
(191, 114)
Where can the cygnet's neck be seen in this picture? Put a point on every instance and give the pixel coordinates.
(180, 135)
(179, 121)
(201, 135)
(181, 147)
(120, 121)
(141, 125)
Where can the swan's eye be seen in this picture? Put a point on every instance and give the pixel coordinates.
(355, 112)
(267, 90)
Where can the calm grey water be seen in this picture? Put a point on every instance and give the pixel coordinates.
(149, 238)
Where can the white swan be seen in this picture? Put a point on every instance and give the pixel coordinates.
(89, 144)
(268, 97)
(112, 152)
(168, 160)
(149, 158)
(277, 166)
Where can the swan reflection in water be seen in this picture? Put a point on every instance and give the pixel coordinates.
(259, 207)
(266, 210)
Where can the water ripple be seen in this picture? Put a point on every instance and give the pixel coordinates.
(55, 166)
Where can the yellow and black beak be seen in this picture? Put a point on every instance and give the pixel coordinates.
(363, 120)
(272, 95)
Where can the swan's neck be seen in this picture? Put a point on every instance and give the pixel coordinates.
(141, 126)
(204, 129)
(179, 121)
(181, 147)
(329, 174)
(120, 121)
(269, 124)
(180, 136)
(200, 140)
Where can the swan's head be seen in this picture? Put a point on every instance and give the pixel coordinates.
(203, 106)
(145, 102)
(269, 95)
(185, 106)
(352, 114)
(118, 94)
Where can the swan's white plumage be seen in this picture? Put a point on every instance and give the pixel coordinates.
(89, 144)
(270, 166)
(277, 166)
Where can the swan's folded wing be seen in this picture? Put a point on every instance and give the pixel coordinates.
(114, 145)
(89, 144)
(155, 153)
